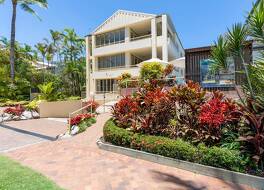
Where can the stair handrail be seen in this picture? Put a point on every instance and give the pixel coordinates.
(72, 113)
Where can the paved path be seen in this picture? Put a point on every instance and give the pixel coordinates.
(17, 134)
(77, 164)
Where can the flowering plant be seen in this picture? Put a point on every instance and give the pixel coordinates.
(16, 111)
(79, 118)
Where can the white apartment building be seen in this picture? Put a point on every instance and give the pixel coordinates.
(123, 41)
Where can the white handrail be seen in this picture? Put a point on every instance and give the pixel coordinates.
(85, 107)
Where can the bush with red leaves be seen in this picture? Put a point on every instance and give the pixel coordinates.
(214, 114)
(217, 111)
(79, 118)
(124, 111)
(15, 111)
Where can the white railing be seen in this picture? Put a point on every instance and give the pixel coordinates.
(115, 68)
(140, 37)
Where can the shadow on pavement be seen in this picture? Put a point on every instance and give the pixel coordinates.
(186, 184)
(28, 132)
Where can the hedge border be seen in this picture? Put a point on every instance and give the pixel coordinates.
(227, 175)
(235, 177)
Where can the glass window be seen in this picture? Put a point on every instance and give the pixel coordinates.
(111, 61)
(122, 35)
(105, 85)
(117, 36)
(112, 37)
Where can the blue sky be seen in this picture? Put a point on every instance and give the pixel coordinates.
(198, 22)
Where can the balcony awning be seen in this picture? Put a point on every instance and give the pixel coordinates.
(156, 60)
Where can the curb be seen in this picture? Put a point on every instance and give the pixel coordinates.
(226, 175)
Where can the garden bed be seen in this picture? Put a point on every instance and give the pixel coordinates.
(212, 161)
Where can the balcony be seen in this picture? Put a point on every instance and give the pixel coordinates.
(140, 37)
(136, 43)
(114, 72)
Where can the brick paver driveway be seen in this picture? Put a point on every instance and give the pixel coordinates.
(17, 134)
(77, 164)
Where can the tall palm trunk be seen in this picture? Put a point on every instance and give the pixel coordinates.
(12, 43)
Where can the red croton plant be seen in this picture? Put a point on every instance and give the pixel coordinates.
(214, 114)
(79, 118)
(124, 111)
(15, 111)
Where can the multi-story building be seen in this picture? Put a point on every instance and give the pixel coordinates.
(123, 41)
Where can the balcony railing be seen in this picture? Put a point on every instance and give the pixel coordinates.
(115, 68)
(140, 37)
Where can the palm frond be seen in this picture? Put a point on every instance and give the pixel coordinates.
(219, 55)
(236, 38)
(26, 7)
(256, 22)
(40, 3)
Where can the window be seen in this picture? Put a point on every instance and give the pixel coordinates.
(117, 36)
(105, 85)
(112, 61)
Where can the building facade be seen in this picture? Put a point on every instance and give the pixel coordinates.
(122, 42)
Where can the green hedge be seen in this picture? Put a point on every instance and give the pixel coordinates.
(179, 149)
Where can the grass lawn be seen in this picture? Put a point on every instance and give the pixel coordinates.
(13, 176)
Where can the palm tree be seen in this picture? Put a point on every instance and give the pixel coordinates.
(56, 37)
(42, 49)
(25, 5)
(256, 22)
(49, 50)
(220, 55)
(236, 40)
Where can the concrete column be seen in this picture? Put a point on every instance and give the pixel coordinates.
(165, 53)
(93, 58)
(127, 34)
(154, 37)
(88, 68)
(94, 66)
(128, 59)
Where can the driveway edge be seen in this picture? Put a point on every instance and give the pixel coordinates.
(226, 175)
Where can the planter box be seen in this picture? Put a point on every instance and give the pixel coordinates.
(235, 177)
(59, 109)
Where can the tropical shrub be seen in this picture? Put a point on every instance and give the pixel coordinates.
(79, 118)
(256, 74)
(179, 149)
(125, 111)
(33, 105)
(48, 92)
(127, 81)
(156, 110)
(214, 114)
(15, 111)
(83, 121)
(188, 100)
(150, 71)
(86, 123)
(253, 133)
